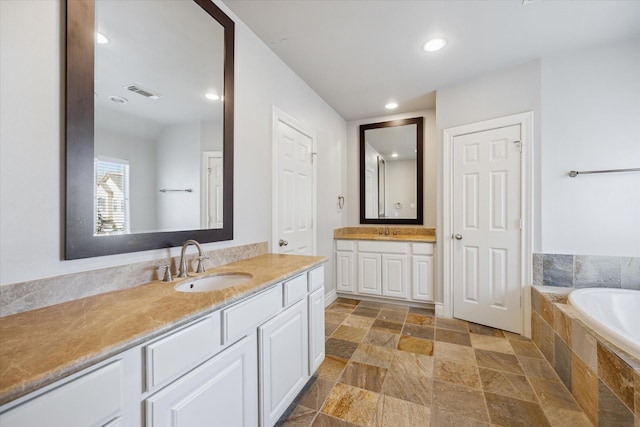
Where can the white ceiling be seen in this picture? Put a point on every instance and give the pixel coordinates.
(360, 54)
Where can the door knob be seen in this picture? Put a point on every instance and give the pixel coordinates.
(458, 236)
(283, 242)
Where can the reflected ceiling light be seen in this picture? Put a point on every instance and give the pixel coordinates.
(211, 96)
(118, 99)
(101, 39)
(434, 44)
(394, 155)
(391, 106)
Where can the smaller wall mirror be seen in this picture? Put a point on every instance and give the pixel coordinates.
(391, 163)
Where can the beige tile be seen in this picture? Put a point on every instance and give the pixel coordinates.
(584, 387)
(349, 333)
(347, 301)
(452, 324)
(617, 374)
(454, 352)
(413, 388)
(334, 317)
(418, 331)
(475, 328)
(373, 355)
(393, 412)
(553, 393)
(382, 339)
(331, 368)
(364, 376)
(329, 328)
(366, 311)
(315, 392)
(392, 315)
(384, 326)
(559, 417)
(499, 361)
(299, 417)
(507, 411)
(419, 319)
(340, 308)
(416, 345)
(525, 348)
(358, 321)
(490, 343)
(543, 336)
(507, 384)
(340, 348)
(442, 418)
(408, 363)
(460, 400)
(562, 323)
(538, 368)
(584, 345)
(351, 404)
(457, 373)
(324, 420)
(453, 337)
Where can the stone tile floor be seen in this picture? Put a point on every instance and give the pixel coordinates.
(396, 366)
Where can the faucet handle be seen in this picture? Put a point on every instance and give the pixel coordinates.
(201, 259)
(166, 275)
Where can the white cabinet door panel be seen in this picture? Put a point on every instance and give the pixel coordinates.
(222, 391)
(345, 272)
(369, 273)
(422, 278)
(284, 361)
(395, 277)
(316, 330)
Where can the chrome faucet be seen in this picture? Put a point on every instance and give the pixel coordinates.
(386, 230)
(182, 271)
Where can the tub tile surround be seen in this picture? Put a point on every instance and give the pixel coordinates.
(604, 380)
(34, 294)
(586, 271)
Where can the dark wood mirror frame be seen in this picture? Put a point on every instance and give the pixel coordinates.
(418, 121)
(80, 241)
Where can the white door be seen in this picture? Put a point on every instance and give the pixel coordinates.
(294, 197)
(284, 361)
(487, 228)
(214, 189)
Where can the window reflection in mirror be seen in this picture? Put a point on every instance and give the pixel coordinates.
(391, 172)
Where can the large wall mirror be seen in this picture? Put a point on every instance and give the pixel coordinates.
(391, 172)
(149, 125)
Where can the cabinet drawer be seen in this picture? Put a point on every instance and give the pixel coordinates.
(383, 247)
(96, 399)
(247, 315)
(295, 289)
(422, 248)
(174, 355)
(345, 245)
(316, 278)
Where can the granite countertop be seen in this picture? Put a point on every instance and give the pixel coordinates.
(42, 346)
(404, 234)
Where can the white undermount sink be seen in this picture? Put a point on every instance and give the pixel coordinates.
(213, 283)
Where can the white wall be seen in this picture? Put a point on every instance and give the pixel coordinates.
(591, 121)
(32, 145)
(429, 166)
(401, 188)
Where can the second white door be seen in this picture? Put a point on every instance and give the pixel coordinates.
(294, 192)
(487, 228)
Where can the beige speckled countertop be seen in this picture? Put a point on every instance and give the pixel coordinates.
(404, 234)
(42, 346)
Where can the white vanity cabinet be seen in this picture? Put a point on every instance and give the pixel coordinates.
(239, 366)
(398, 270)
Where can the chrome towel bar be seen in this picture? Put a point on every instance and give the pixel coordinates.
(573, 174)
(165, 190)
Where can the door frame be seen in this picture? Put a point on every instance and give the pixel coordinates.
(280, 116)
(204, 185)
(525, 120)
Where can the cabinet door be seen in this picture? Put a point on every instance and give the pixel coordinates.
(369, 273)
(422, 286)
(316, 329)
(395, 277)
(345, 272)
(222, 391)
(284, 361)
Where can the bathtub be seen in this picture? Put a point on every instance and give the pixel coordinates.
(613, 313)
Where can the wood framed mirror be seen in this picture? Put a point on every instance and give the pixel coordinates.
(149, 125)
(391, 172)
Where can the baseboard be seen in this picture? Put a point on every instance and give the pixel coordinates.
(330, 297)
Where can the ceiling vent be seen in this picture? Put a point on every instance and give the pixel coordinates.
(142, 91)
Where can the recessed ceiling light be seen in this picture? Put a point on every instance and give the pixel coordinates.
(211, 96)
(434, 45)
(101, 39)
(394, 155)
(391, 106)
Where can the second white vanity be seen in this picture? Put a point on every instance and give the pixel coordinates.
(240, 363)
(375, 262)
